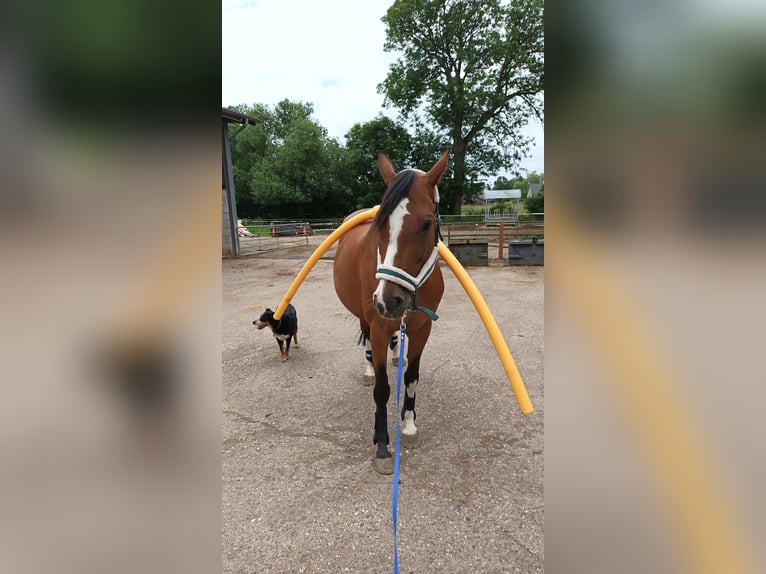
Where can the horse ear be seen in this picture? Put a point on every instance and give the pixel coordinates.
(435, 174)
(386, 168)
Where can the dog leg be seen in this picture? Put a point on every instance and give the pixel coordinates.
(297, 346)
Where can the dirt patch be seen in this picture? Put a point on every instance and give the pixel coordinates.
(299, 491)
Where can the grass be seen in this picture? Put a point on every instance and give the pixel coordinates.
(260, 230)
(462, 218)
(472, 210)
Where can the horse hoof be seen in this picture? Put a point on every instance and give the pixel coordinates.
(383, 465)
(410, 440)
(368, 381)
(395, 361)
(284, 359)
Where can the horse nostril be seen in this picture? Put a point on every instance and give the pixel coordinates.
(398, 301)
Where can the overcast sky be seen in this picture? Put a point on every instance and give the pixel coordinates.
(328, 53)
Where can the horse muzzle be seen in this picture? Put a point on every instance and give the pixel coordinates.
(393, 302)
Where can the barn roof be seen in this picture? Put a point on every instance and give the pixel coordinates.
(233, 117)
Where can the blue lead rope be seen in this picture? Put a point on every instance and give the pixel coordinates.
(395, 490)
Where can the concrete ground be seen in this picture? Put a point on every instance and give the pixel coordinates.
(299, 490)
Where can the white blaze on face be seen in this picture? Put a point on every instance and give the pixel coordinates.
(395, 224)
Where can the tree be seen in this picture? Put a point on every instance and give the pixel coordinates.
(521, 183)
(288, 167)
(363, 142)
(503, 182)
(535, 204)
(472, 70)
(302, 179)
(248, 149)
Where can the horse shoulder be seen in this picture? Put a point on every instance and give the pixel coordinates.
(354, 269)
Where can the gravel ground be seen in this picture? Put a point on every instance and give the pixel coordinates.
(299, 490)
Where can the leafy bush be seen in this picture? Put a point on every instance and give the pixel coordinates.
(535, 204)
(472, 210)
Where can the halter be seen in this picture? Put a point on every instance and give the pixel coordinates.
(401, 277)
(404, 279)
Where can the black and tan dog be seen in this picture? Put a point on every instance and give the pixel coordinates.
(284, 330)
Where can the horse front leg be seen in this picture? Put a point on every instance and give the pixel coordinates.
(410, 436)
(369, 372)
(383, 461)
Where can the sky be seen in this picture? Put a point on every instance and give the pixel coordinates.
(328, 53)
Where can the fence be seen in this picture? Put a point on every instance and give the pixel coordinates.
(262, 236)
(468, 227)
(271, 235)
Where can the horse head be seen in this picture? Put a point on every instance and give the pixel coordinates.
(407, 222)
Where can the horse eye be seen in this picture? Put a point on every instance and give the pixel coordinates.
(427, 224)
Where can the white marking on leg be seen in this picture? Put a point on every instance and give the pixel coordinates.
(369, 371)
(409, 427)
(395, 224)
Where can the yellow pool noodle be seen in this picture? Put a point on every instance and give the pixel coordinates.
(503, 353)
(318, 252)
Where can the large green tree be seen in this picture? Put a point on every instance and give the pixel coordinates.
(249, 148)
(363, 142)
(473, 70)
(288, 167)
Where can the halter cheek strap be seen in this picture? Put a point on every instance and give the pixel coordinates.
(401, 277)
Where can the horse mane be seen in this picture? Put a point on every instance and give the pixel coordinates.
(399, 189)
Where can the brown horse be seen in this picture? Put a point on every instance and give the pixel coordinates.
(386, 270)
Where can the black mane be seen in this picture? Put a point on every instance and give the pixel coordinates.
(399, 189)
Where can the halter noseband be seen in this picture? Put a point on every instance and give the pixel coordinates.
(401, 277)
(404, 279)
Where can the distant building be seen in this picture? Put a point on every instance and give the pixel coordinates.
(495, 195)
(534, 189)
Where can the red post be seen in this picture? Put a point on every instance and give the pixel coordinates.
(500, 246)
